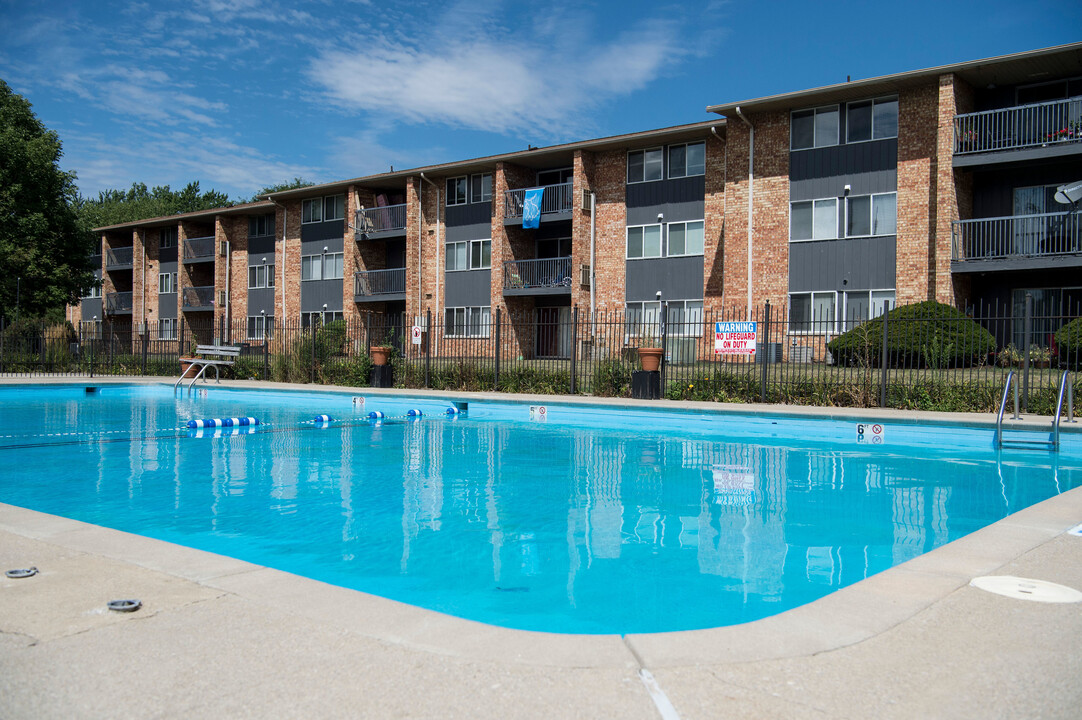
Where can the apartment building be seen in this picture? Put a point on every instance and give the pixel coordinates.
(828, 203)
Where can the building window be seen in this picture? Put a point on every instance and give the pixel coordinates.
(555, 177)
(312, 210)
(456, 191)
(687, 160)
(683, 318)
(167, 237)
(319, 318)
(871, 119)
(94, 291)
(480, 188)
(817, 127)
(261, 225)
(469, 255)
(260, 327)
(686, 238)
(643, 320)
(167, 283)
(644, 242)
(167, 329)
(262, 276)
(862, 305)
(322, 267)
(871, 215)
(468, 321)
(812, 313)
(813, 219)
(334, 207)
(645, 165)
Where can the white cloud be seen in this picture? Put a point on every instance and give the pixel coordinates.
(474, 73)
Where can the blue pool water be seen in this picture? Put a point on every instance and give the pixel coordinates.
(594, 520)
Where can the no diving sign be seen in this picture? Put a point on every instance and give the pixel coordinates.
(870, 433)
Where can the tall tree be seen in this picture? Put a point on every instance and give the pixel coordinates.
(44, 253)
(113, 207)
(297, 182)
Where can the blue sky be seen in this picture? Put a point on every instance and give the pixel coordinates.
(240, 94)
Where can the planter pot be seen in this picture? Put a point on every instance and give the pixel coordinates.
(650, 358)
(184, 367)
(380, 353)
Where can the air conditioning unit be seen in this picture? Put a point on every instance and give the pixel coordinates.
(221, 298)
(584, 275)
(223, 248)
(585, 199)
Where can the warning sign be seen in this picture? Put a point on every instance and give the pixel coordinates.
(870, 433)
(415, 334)
(539, 413)
(734, 338)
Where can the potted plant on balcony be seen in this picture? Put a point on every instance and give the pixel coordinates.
(649, 351)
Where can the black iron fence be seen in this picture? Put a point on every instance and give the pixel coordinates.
(921, 356)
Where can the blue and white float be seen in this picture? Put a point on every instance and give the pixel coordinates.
(222, 422)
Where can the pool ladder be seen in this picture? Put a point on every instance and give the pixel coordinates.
(1065, 389)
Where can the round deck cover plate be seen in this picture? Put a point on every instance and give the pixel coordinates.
(1027, 589)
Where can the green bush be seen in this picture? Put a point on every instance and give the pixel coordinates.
(926, 334)
(612, 378)
(1069, 344)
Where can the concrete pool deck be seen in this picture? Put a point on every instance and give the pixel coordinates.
(224, 638)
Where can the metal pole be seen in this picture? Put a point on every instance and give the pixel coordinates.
(664, 342)
(1027, 330)
(146, 344)
(312, 327)
(574, 342)
(266, 356)
(496, 381)
(883, 379)
(765, 356)
(428, 349)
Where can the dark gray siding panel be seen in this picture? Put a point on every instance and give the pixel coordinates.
(469, 214)
(167, 306)
(673, 212)
(314, 293)
(468, 288)
(665, 192)
(260, 246)
(315, 247)
(168, 254)
(993, 191)
(868, 167)
(312, 232)
(475, 231)
(852, 264)
(679, 278)
(263, 299)
(167, 267)
(92, 309)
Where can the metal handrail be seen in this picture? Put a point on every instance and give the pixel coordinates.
(1063, 385)
(554, 199)
(1003, 406)
(379, 219)
(1035, 235)
(1039, 124)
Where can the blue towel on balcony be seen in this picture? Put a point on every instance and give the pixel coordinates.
(531, 208)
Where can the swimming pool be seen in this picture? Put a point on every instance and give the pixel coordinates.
(577, 519)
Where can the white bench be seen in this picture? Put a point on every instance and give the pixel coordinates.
(207, 356)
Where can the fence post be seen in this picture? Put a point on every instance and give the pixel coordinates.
(146, 346)
(266, 357)
(764, 356)
(2, 329)
(884, 359)
(312, 328)
(41, 349)
(428, 349)
(496, 381)
(664, 344)
(1027, 340)
(574, 343)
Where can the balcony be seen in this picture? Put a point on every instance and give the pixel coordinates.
(550, 276)
(118, 258)
(199, 250)
(379, 285)
(1044, 129)
(380, 222)
(118, 303)
(199, 298)
(556, 202)
(1018, 242)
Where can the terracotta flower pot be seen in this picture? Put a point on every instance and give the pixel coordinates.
(380, 353)
(650, 358)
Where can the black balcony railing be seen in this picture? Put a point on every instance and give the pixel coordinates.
(380, 219)
(118, 302)
(1040, 124)
(199, 298)
(197, 248)
(545, 273)
(379, 282)
(555, 199)
(1044, 235)
(118, 257)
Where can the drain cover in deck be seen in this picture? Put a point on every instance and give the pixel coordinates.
(1027, 589)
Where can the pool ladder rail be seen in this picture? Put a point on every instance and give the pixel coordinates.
(1066, 389)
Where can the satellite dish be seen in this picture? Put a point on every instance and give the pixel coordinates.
(1069, 194)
